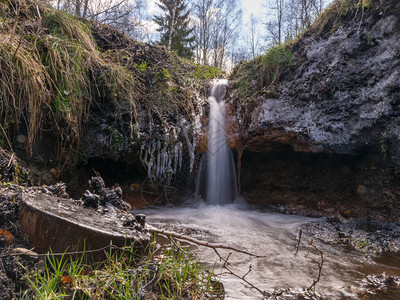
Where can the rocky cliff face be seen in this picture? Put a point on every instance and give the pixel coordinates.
(331, 131)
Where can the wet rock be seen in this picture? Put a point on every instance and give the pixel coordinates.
(90, 200)
(381, 286)
(364, 234)
(380, 281)
(138, 222)
(104, 196)
(59, 189)
(97, 184)
(141, 219)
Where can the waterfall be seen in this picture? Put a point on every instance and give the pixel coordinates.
(217, 175)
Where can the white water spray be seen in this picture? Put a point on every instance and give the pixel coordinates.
(217, 164)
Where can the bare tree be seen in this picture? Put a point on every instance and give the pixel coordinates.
(253, 36)
(217, 23)
(126, 15)
(289, 18)
(228, 19)
(275, 27)
(203, 16)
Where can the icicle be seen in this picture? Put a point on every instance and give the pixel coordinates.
(163, 162)
(149, 166)
(152, 148)
(169, 164)
(141, 150)
(176, 157)
(190, 149)
(180, 156)
(158, 159)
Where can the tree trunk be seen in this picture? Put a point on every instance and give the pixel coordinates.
(77, 8)
(172, 26)
(85, 7)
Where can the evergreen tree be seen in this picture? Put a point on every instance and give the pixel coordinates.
(176, 32)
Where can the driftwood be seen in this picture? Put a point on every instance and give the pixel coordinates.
(179, 236)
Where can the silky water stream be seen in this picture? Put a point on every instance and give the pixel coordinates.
(272, 235)
(223, 218)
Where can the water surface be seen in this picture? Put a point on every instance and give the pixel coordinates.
(272, 235)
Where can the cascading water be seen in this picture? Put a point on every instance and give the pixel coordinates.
(269, 234)
(217, 165)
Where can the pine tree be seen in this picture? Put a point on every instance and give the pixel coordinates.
(174, 25)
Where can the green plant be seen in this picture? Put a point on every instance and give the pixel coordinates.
(162, 75)
(207, 72)
(142, 66)
(260, 74)
(117, 139)
(124, 274)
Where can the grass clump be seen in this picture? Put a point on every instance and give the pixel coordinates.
(339, 12)
(61, 74)
(22, 87)
(166, 274)
(207, 72)
(260, 74)
(66, 25)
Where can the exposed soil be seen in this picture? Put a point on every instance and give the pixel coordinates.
(12, 267)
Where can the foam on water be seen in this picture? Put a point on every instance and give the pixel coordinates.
(272, 235)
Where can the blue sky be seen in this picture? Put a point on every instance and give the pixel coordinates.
(248, 6)
(255, 7)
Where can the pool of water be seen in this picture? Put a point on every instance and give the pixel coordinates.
(272, 235)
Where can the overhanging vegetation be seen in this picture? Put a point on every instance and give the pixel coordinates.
(55, 68)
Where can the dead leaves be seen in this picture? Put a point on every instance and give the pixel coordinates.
(9, 236)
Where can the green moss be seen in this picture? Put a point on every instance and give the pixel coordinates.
(162, 75)
(362, 244)
(262, 72)
(207, 72)
(117, 139)
(142, 66)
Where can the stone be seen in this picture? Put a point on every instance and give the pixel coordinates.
(90, 200)
(330, 209)
(141, 219)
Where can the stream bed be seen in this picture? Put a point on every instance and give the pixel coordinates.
(346, 273)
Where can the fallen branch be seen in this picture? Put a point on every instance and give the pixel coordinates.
(318, 263)
(179, 236)
(230, 272)
(298, 237)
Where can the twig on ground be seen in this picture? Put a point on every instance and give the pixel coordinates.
(198, 242)
(298, 237)
(243, 277)
(318, 263)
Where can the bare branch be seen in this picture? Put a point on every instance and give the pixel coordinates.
(198, 242)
